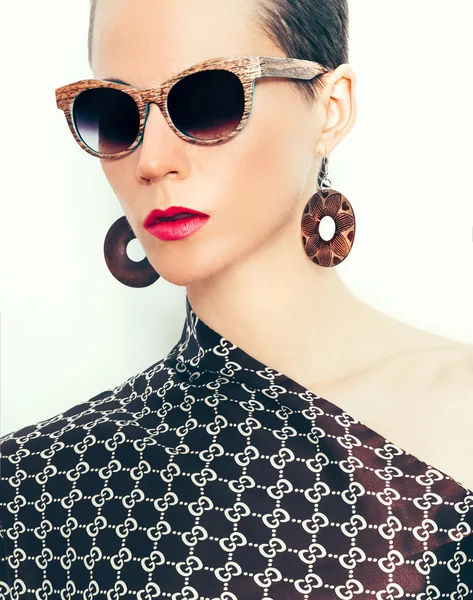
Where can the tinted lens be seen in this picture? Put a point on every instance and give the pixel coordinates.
(207, 105)
(107, 120)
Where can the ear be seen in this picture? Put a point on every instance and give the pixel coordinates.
(338, 104)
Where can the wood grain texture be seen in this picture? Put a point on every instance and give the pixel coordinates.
(247, 68)
(328, 253)
(293, 68)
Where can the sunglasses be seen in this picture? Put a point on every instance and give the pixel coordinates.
(208, 103)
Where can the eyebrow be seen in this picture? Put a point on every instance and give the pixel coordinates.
(112, 80)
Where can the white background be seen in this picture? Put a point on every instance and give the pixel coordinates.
(69, 330)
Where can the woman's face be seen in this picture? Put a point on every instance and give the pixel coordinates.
(253, 187)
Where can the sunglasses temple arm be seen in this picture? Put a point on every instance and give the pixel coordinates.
(290, 68)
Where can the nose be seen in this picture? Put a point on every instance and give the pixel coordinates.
(159, 150)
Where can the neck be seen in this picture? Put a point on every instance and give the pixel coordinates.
(285, 311)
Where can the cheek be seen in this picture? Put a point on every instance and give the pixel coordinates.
(265, 171)
(117, 173)
(121, 176)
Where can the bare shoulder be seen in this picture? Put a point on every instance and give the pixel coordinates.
(446, 409)
(425, 361)
(453, 372)
(438, 369)
(427, 406)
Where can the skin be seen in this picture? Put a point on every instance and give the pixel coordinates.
(246, 273)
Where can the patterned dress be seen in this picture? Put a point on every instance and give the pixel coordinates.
(212, 476)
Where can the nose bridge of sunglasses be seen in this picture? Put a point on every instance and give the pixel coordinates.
(155, 95)
(155, 101)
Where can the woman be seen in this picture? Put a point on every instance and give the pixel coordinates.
(288, 445)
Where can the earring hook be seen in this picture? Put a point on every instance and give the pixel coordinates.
(325, 184)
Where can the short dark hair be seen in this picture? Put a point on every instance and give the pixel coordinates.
(314, 30)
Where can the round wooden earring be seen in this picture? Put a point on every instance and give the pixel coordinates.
(328, 253)
(129, 272)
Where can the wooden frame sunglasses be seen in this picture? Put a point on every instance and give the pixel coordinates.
(246, 68)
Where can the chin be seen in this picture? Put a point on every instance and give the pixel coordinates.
(185, 274)
(185, 266)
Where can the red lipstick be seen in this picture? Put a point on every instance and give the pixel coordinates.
(175, 222)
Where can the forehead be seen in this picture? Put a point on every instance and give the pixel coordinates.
(147, 41)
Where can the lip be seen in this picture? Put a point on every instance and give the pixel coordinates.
(156, 214)
(174, 230)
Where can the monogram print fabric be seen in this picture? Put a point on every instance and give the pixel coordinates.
(212, 476)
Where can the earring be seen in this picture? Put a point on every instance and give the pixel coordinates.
(129, 272)
(328, 202)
